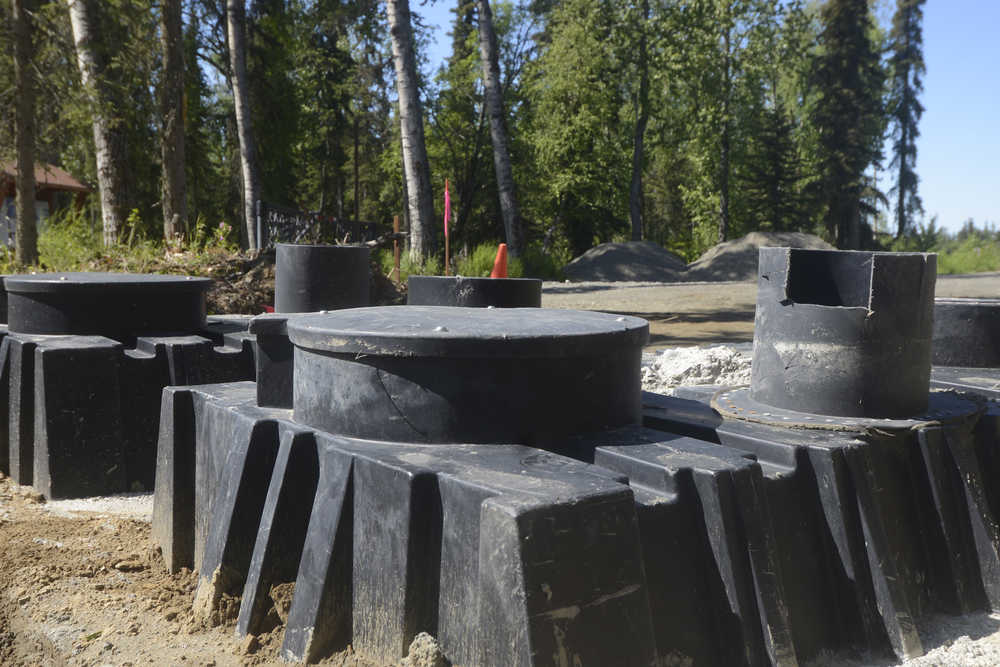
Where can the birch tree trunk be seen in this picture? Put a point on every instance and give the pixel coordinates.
(24, 131)
(638, 139)
(107, 143)
(416, 170)
(488, 53)
(174, 197)
(236, 19)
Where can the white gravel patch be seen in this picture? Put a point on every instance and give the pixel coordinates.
(949, 641)
(132, 505)
(678, 366)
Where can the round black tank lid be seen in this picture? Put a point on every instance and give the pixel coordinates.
(438, 331)
(102, 282)
(117, 305)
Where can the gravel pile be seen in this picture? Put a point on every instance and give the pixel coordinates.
(644, 261)
(737, 259)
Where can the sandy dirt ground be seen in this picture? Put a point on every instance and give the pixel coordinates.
(696, 313)
(81, 583)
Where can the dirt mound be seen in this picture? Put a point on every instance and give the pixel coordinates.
(737, 259)
(642, 261)
(645, 261)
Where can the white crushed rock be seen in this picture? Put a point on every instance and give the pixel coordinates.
(949, 641)
(131, 505)
(676, 366)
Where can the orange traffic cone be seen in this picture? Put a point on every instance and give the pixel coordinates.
(500, 263)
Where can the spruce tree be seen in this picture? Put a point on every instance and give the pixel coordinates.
(907, 66)
(847, 113)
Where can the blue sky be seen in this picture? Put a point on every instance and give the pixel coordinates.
(958, 152)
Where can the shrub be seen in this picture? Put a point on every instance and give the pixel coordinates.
(537, 263)
(68, 241)
(432, 266)
(972, 255)
(479, 262)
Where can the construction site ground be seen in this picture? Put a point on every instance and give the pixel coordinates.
(81, 583)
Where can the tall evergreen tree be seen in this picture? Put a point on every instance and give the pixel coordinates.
(847, 114)
(770, 175)
(271, 50)
(907, 67)
(581, 127)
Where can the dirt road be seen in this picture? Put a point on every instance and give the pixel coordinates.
(695, 313)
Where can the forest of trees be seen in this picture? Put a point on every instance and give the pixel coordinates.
(559, 124)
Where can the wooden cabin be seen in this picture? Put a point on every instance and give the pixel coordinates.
(54, 189)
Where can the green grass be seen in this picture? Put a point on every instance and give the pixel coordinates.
(971, 250)
(972, 255)
(479, 263)
(534, 263)
(69, 241)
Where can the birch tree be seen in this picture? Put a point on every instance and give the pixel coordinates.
(236, 23)
(641, 121)
(174, 198)
(509, 208)
(107, 142)
(416, 170)
(24, 129)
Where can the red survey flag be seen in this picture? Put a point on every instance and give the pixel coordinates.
(447, 207)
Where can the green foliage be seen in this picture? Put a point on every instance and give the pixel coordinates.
(920, 238)
(458, 139)
(581, 128)
(537, 263)
(68, 241)
(971, 255)
(847, 113)
(432, 266)
(765, 114)
(907, 67)
(479, 262)
(971, 250)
